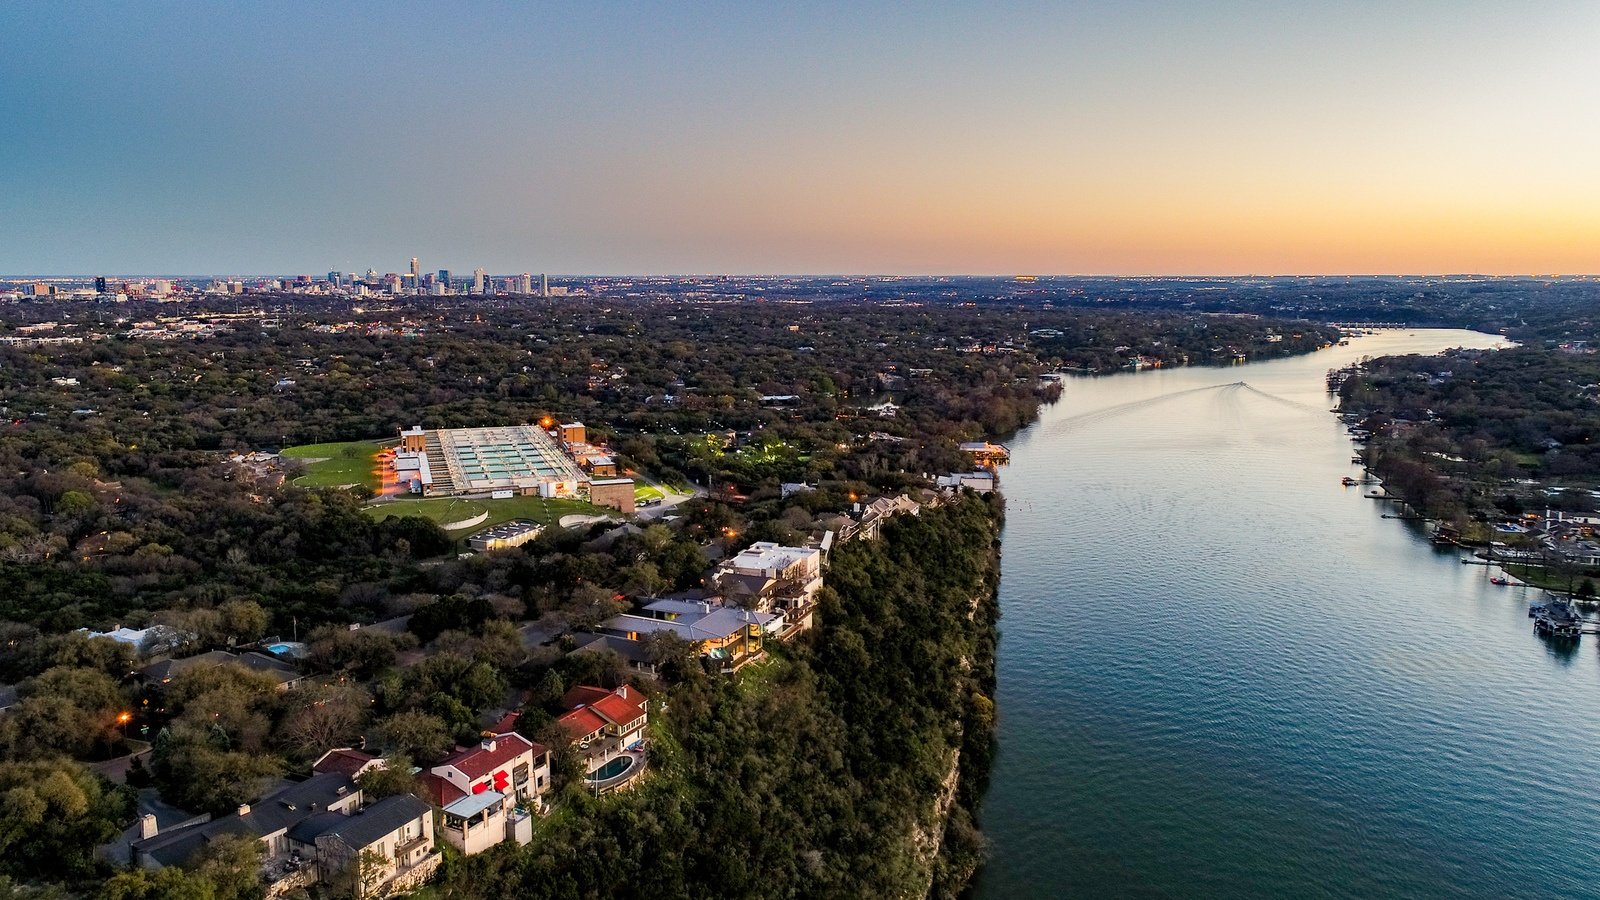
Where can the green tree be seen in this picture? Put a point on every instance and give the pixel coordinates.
(414, 735)
(390, 779)
(64, 710)
(229, 701)
(53, 813)
(481, 686)
(170, 883)
(243, 621)
(194, 769)
(12, 890)
(74, 503)
(232, 864)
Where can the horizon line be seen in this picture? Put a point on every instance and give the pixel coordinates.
(854, 275)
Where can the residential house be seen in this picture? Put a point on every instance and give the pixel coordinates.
(152, 816)
(347, 760)
(384, 848)
(728, 635)
(146, 642)
(310, 832)
(476, 822)
(506, 763)
(634, 654)
(980, 481)
(771, 577)
(1579, 552)
(871, 516)
(607, 729)
(1556, 515)
(285, 674)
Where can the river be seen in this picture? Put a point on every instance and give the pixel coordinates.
(1222, 674)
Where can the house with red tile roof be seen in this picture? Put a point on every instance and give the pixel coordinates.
(604, 725)
(626, 708)
(350, 761)
(508, 763)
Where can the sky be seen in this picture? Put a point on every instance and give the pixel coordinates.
(608, 137)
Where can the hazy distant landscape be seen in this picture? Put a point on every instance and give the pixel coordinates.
(799, 451)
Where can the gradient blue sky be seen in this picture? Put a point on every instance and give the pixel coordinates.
(1091, 137)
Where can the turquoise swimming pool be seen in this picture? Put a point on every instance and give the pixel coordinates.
(611, 769)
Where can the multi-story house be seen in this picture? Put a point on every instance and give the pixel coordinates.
(607, 730)
(312, 832)
(775, 578)
(507, 763)
(487, 792)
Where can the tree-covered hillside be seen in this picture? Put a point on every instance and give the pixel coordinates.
(810, 777)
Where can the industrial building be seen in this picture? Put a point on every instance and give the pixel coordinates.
(499, 461)
(617, 493)
(504, 536)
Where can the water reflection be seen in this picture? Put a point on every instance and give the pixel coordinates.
(1224, 674)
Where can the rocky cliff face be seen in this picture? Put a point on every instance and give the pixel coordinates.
(947, 844)
(928, 837)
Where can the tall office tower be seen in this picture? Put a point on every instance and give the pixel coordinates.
(336, 279)
(525, 284)
(544, 285)
(416, 269)
(372, 276)
(444, 278)
(477, 281)
(100, 285)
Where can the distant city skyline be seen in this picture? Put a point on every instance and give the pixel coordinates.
(1151, 137)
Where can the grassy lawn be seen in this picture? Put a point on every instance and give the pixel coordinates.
(451, 509)
(1551, 580)
(643, 492)
(756, 679)
(339, 464)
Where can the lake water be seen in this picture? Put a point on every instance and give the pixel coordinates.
(1222, 674)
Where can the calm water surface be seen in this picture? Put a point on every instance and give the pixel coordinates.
(1223, 674)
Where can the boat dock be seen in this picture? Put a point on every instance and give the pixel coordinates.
(1556, 618)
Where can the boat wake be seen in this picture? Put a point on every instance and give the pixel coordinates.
(1097, 416)
(1292, 404)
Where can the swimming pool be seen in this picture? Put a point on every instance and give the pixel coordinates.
(610, 770)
